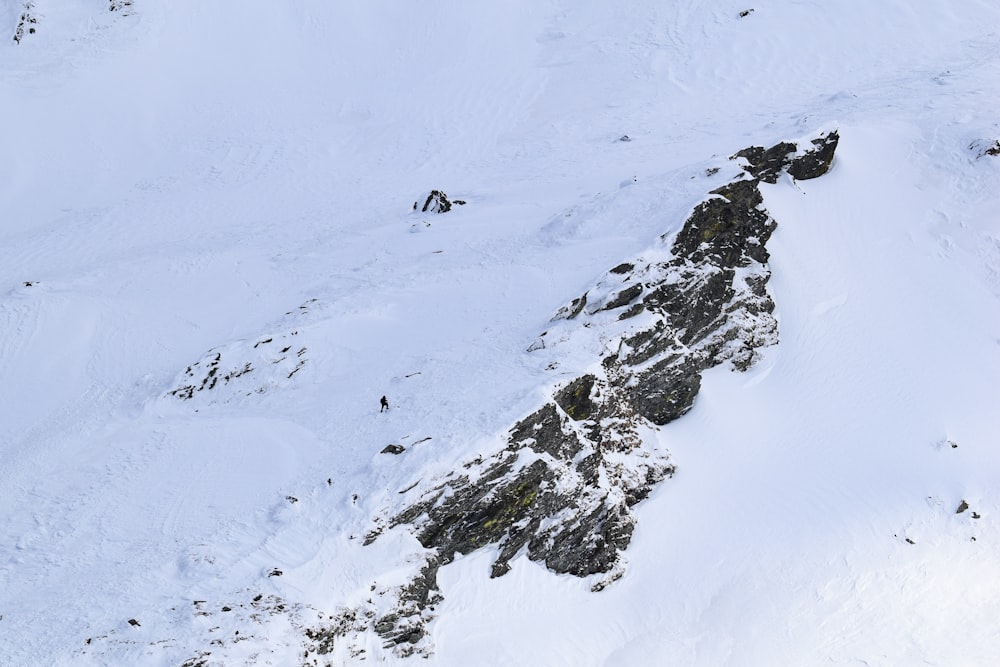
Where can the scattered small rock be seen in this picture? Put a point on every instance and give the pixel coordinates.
(624, 138)
(977, 515)
(393, 449)
(962, 507)
(201, 660)
(134, 623)
(909, 541)
(27, 22)
(711, 171)
(292, 499)
(29, 283)
(746, 12)
(275, 572)
(227, 609)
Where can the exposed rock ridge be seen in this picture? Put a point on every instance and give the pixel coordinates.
(562, 489)
(250, 366)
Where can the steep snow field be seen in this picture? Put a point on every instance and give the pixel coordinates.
(197, 185)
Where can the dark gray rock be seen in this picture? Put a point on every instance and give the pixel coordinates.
(767, 165)
(636, 309)
(436, 201)
(573, 309)
(562, 489)
(624, 297)
(574, 398)
(667, 390)
(728, 229)
(816, 161)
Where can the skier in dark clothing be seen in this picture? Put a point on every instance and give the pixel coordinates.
(385, 404)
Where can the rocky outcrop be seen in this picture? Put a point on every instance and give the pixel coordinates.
(436, 201)
(247, 367)
(27, 24)
(985, 148)
(562, 489)
(801, 162)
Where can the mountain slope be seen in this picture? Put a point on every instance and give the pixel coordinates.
(190, 184)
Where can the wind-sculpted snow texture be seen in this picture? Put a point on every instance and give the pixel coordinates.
(563, 488)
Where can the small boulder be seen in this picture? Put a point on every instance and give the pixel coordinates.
(436, 201)
(984, 148)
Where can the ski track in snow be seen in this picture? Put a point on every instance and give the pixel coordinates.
(183, 178)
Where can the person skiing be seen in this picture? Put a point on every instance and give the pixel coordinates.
(385, 404)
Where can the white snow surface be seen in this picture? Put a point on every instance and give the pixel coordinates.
(184, 180)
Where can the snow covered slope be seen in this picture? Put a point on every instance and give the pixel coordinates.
(211, 269)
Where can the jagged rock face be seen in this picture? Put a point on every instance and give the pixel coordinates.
(805, 163)
(562, 489)
(549, 467)
(766, 164)
(574, 398)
